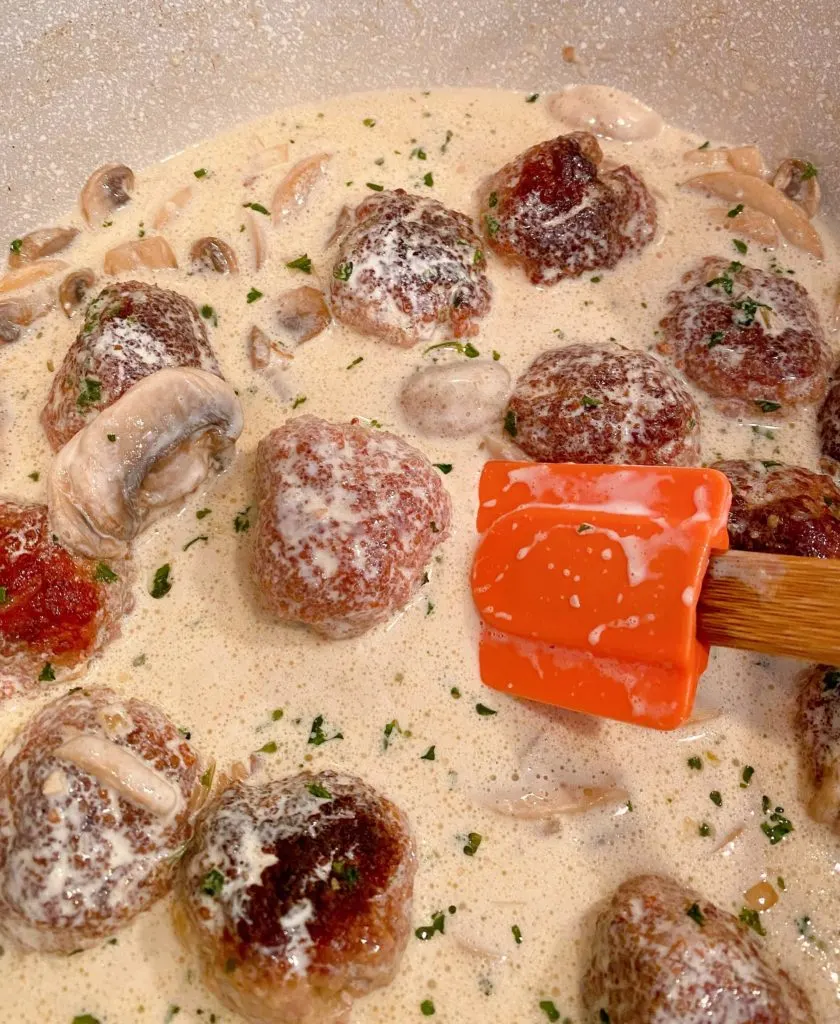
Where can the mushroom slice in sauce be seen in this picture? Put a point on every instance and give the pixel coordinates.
(153, 253)
(29, 275)
(259, 242)
(302, 313)
(261, 348)
(41, 243)
(106, 190)
(294, 189)
(554, 801)
(19, 312)
(798, 180)
(610, 113)
(753, 224)
(264, 159)
(74, 288)
(140, 456)
(172, 207)
(212, 254)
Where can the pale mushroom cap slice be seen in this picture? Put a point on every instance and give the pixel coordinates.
(152, 252)
(107, 189)
(140, 456)
(39, 244)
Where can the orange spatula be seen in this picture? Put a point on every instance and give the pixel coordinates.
(594, 589)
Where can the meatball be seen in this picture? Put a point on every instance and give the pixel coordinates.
(349, 517)
(296, 895)
(662, 952)
(550, 212)
(130, 331)
(818, 726)
(781, 509)
(750, 339)
(97, 795)
(410, 270)
(828, 423)
(603, 403)
(56, 610)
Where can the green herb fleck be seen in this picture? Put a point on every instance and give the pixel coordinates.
(36, 476)
(778, 826)
(355, 362)
(390, 728)
(317, 736)
(241, 521)
(478, 256)
(342, 271)
(444, 467)
(429, 755)
(47, 674)
(549, 1009)
(298, 402)
(374, 187)
(195, 540)
(735, 210)
(303, 263)
(596, 279)
(213, 882)
(473, 843)
(715, 338)
(780, 883)
(590, 403)
(427, 931)
(161, 585)
(428, 179)
(696, 915)
(705, 830)
(268, 748)
(751, 919)
(253, 295)
(317, 790)
(455, 692)
(695, 763)
(716, 798)
(419, 152)
(704, 145)
(510, 423)
(257, 208)
(201, 172)
(427, 1008)
(517, 934)
(766, 405)
(369, 122)
(496, 356)
(482, 709)
(809, 172)
(746, 776)
(206, 779)
(470, 351)
(104, 573)
(171, 1014)
(4, 596)
(89, 394)
(16, 245)
(492, 225)
(446, 141)
(111, 437)
(85, 1018)
(741, 246)
(202, 512)
(342, 873)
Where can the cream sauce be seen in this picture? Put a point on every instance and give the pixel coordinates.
(219, 666)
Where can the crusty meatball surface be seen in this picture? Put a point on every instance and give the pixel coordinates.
(97, 796)
(818, 728)
(782, 509)
(130, 331)
(603, 403)
(663, 953)
(828, 422)
(553, 214)
(56, 610)
(349, 517)
(748, 338)
(296, 896)
(410, 270)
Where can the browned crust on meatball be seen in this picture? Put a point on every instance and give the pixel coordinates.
(818, 728)
(603, 403)
(828, 425)
(550, 211)
(130, 331)
(781, 509)
(410, 270)
(653, 961)
(77, 860)
(750, 339)
(296, 896)
(58, 610)
(349, 517)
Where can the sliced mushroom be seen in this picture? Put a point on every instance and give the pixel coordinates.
(608, 112)
(20, 312)
(302, 313)
(33, 273)
(736, 187)
(554, 802)
(106, 190)
(152, 252)
(798, 180)
(261, 347)
(746, 159)
(212, 254)
(259, 242)
(123, 770)
(294, 189)
(172, 207)
(760, 227)
(41, 243)
(169, 431)
(74, 288)
(343, 223)
(264, 159)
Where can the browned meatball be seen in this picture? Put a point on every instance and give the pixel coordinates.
(751, 339)
(603, 403)
(97, 795)
(664, 953)
(410, 270)
(349, 517)
(828, 422)
(781, 509)
(56, 610)
(551, 212)
(130, 331)
(296, 895)
(818, 727)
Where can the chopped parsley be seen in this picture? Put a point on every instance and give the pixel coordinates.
(355, 362)
(111, 437)
(809, 172)
(725, 281)
(455, 692)
(715, 338)
(482, 709)
(104, 573)
(549, 1009)
(253, 295)
(342, 271)
(444, 467)
(161, 585)
(206, 779)
(496, 356)
(16, 245)
(746, 776)
(704, 145)
(298, 401)
(469, 350)
(427, 931)
(585, 528)
(751, 919)
(493, 200)
(257, 208)
(596, 279)
(419, 152)
(268, 748)
(209, 314)
(276, 714)
(202, 512)
(492, 225)
(716, 798)
(85, 1018)
(428, 179)
(427, 1008)
(89, 394)
(201, 172)
(766, 405)
(387, 732)
(374, 187)
(47, 674)
(303, 263)
(429, 607)
(735, 210)
(534, 96)
(740, 246)
(195, 540)
(778, 826)
(317, 736)
(447, 140)
(590, 403)
(35, 476)
(241, 521)
(369, 122)
(510, 423)
(4, 596)
(517, 934)
(213, 882)
(705, 830)
(472, 844)
(342, 873)
(317, 790)
(429, 755)
(749, 307)
(478, 256)
(780, 882)
(695, 763)
(696, 915)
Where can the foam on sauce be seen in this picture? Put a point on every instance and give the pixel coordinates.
(219, 666)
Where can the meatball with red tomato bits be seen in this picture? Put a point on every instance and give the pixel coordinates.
(98, 795)
(56, 610)
(664, 953)
(130, 331)
(750, 339)
(410, 270)
(349, 517)
(603, 403)
(551, 212)
(782, 509)
(296, 896)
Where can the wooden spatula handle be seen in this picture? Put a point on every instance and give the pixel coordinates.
(778, 604)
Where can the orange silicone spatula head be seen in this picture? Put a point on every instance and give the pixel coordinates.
(586, 579)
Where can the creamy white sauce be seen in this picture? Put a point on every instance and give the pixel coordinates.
(219, 666)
